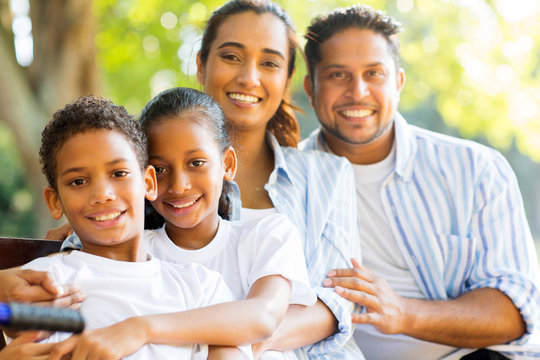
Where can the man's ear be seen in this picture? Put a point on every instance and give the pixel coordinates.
(229, 163)
(200, 69)
(308, 88)
(400, 79)
(150, 182)
(53, 202)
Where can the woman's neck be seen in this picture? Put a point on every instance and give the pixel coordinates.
(255, 164)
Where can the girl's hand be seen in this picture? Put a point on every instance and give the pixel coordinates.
(24, 348)
(108, 343)
(60, 233)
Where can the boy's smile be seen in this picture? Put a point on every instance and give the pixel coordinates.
(101, 191)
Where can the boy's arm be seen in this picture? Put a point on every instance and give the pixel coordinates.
(24, 348)
(229, 324)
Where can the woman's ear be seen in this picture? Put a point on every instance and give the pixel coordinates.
(200, 69)
(229, 163)
(150, 181)
(53, 202)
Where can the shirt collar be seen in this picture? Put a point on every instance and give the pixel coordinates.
(280, 162)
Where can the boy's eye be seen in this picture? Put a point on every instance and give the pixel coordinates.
(160, 170)
(77, 182)
(120, 173)
(338, 75)
(197, 163)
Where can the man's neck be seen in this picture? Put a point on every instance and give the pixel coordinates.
(362, 154)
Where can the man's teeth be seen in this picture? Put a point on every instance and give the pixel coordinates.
(248, 99)
(181, 206)
(107, 217)
(357, 113)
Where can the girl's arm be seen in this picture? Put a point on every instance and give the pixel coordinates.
(229, 324)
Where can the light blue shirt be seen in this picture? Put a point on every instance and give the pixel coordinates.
(316, 191)
(457, 214)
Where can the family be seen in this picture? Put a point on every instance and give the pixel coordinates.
(207, 229)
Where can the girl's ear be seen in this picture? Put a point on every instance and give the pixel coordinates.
(150, 181)
(53, 202)
(229, 163)
(200, 69)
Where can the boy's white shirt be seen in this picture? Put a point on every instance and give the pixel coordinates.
(245, 251)
(117, 290)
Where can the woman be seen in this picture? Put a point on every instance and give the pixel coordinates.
(246, 63)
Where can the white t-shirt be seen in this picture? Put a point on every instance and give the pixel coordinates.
(117, 290)
(244, 251)
(382, 256)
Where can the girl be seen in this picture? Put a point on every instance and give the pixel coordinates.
(245, 63)
(261, 260)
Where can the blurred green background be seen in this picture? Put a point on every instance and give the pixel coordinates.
(472, 67)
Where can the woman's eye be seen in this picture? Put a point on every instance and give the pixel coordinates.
(338, 75)
(271, 64)
(230, 57)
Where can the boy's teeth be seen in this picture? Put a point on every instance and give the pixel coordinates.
(357, 113)
(184, 205)
(248, 99)
(107, 217)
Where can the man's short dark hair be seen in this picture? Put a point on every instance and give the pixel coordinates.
(88, 114)
(358, 16)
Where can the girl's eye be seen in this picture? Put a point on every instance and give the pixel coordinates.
(160, 170)
(77, 182)
(120, 173)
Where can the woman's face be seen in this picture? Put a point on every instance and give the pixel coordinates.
(246, 69)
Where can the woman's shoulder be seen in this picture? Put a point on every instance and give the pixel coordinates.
(315, 158)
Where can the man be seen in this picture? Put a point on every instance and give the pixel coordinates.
(448, 258)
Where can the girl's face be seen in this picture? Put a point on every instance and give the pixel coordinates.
(246, 69)
(190, 169)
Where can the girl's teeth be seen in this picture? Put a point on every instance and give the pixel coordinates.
(248, 99)
(357, 113)
(184, 205)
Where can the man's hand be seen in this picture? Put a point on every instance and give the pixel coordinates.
(37, 287)
(385, 309)
(111, 342)
(24, 348)
(60, 233)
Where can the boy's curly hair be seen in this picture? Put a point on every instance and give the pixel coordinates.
(89, 113)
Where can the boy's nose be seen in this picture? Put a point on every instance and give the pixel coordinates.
(103, 192)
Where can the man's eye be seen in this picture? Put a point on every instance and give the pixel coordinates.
(120, 173)
(197, 163)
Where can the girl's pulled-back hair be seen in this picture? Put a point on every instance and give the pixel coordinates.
(283, 124)
(176, 102)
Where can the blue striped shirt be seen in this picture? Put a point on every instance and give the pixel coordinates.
(316, 191)
(456, 211)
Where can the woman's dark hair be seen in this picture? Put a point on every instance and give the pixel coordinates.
(283, 125)
(174, 103)
(87, 114)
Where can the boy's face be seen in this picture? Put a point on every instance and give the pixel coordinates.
(101, 191)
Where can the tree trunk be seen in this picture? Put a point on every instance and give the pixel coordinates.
(63, 69)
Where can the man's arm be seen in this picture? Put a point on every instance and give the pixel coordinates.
(478, 318)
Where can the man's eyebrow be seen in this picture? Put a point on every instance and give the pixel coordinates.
(242, 46)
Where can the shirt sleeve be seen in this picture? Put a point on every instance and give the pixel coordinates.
(339, 242)
(505, 254)
(275, 249)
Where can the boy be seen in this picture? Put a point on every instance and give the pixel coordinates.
(94, 155)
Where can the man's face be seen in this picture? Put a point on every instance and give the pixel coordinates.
(355, 89)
